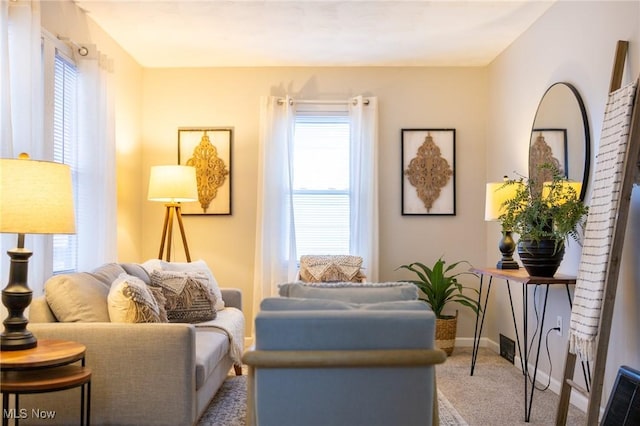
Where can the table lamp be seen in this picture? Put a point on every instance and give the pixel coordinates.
(496, 194)
(36, 197)
(172, 185)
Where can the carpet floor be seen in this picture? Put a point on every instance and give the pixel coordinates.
(494, 395)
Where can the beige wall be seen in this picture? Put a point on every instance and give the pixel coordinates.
(573, 42)
(408, 98)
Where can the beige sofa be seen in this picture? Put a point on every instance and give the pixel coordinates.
(143, 373)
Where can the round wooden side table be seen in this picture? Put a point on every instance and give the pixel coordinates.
(45, 368)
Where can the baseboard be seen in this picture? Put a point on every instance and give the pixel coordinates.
(577, 400)
(485, 342)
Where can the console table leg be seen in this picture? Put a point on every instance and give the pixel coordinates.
(535, 371)
(515, 326)
(478, 331)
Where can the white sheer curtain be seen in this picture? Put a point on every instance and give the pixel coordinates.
(97, 210)
(21, 112)
(275, 251)
(364, 183)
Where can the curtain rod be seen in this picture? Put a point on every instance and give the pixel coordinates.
(321, 102)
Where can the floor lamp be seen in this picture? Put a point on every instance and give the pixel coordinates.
(36, 197)
(172, 185)
(496, 194)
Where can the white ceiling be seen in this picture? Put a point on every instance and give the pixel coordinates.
(208, 33)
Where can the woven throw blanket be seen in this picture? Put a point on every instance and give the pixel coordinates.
(233, 326)
(592, 272)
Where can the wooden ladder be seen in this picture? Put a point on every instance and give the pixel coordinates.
(594, 388)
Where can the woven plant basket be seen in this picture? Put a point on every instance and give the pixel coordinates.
(446, 333)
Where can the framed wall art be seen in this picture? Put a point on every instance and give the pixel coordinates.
(208, 149)
(428, 171)
(548, 146)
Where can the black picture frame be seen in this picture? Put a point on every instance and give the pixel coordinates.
(221, 138)
(435, 148)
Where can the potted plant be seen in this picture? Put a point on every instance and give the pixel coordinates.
(439, 286)
(545, 215)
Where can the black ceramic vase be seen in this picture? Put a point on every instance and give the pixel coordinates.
(540, 258)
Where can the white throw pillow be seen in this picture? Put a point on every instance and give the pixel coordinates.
(197, 266)
(131, 300)
(152, 265)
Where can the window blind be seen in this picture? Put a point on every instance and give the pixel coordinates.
(321, 183)
(65, 247)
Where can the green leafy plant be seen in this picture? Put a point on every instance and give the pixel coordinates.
(544, 210)
(441, 286)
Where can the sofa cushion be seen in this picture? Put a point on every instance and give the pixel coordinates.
(351, 292)
(352, 329)
(211, 347)
(188, 296)
(108, 273)
(78, 297)
(197, 266)
(297, 304)
(396, 305)
(137, 271)
(131, 300)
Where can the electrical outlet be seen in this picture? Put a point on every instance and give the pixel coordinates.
(559, 325)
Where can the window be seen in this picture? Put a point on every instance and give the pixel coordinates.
(321, 183)
(64, 150)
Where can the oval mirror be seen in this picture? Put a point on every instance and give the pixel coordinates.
(560, 135)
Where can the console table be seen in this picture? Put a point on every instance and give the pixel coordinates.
(519, 276)
(45, 368)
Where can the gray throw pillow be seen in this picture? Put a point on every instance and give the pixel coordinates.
(78, 297)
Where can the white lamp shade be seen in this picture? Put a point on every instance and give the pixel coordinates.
(36, 197)
(496, 195)
(173, 184)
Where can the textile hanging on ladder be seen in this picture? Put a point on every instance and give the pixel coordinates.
(598, 236)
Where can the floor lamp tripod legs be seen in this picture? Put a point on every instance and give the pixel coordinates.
(184, 236)
(167, 230)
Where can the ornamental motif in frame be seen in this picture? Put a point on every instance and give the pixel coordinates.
(428, 171)
(208, 149)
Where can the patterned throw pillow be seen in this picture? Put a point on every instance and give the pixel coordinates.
(331, 268)
(131, 300)
(195, 266)
(188, 295)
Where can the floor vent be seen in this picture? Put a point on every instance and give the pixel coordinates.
(507, 348)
